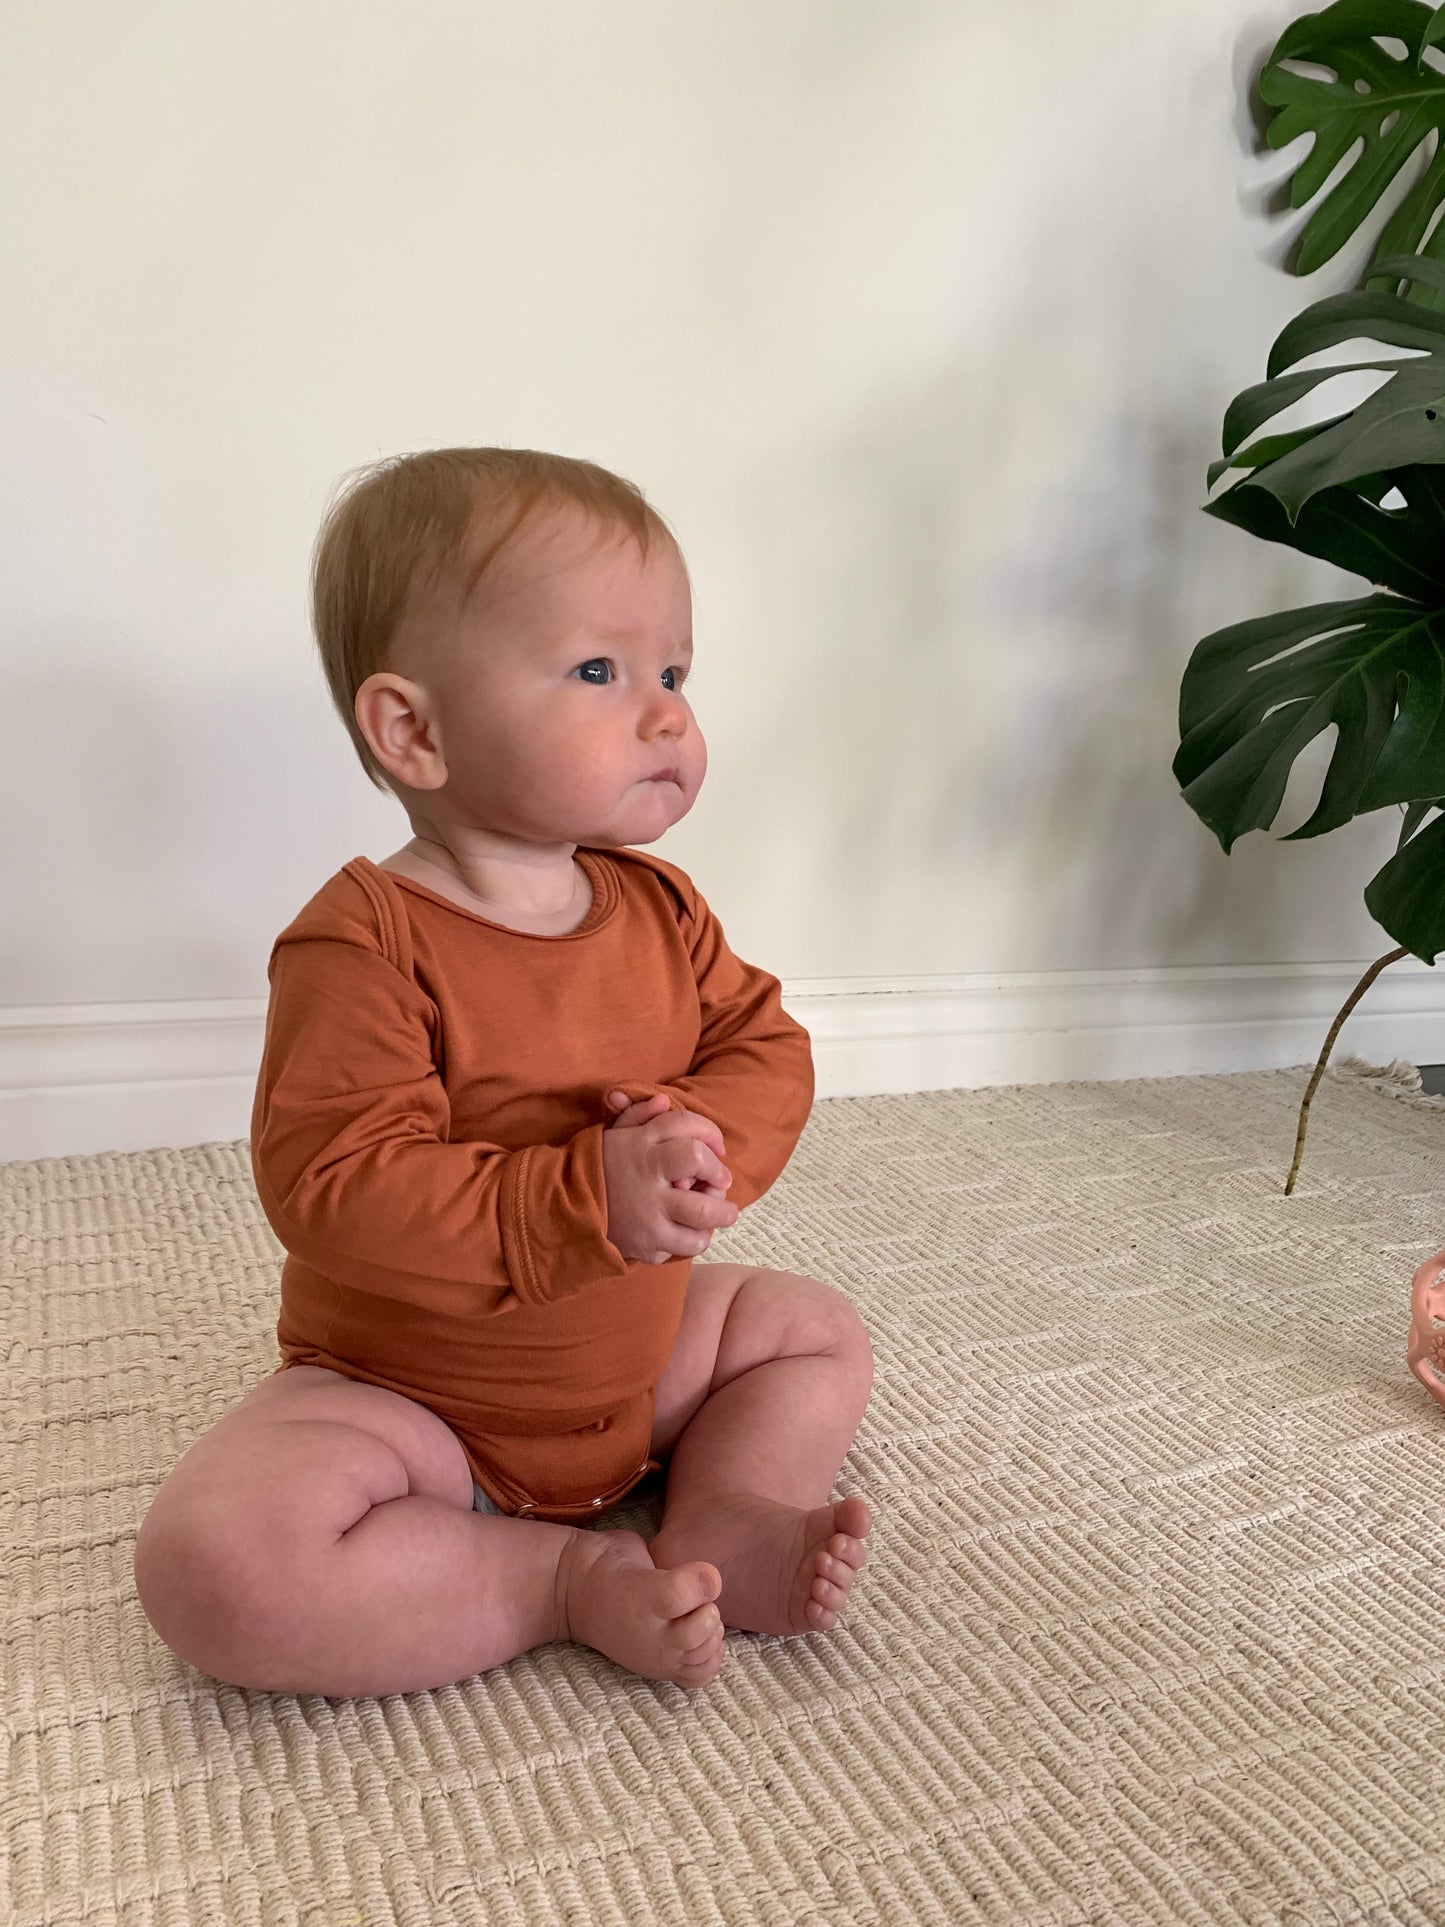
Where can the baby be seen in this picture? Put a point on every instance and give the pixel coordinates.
(513, 1080)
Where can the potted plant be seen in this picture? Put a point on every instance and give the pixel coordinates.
(1364, 489)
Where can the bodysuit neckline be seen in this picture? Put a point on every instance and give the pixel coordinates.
(606, 894)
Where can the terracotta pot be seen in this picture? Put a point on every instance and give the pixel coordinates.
(1427, 1337)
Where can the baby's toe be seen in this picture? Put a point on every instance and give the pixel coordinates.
(848, 1551)
(699, 1673)
(852, 1519)
(689, 1587)
(829, 1593)
(832, 1580)
(702, 1662)
(696, 1631)
(705, 1649)
(839, 1571)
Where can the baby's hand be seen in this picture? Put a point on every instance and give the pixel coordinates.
(646, 1107)
(665, 1181)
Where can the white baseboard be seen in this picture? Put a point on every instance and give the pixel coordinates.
(82, 1078)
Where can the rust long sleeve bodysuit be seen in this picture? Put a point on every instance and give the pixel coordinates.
(426, 1143)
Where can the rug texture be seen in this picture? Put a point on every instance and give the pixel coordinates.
(1152, 1629)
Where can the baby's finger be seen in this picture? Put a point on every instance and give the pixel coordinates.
(709, 1176)
(685, 1244)
(641, 1111)
(693, 1124)
(690, 1164)
(701, 1210)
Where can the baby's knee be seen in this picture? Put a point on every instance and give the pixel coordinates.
(853, 1336)
(198, 1582)
(805, 1315)
(846, 1333)
(231, 1547)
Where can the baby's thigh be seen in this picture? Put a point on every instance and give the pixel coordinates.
(430, 1452)
(274, 1485)
(735, 1317)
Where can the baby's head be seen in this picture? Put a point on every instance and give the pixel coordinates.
(505, 634)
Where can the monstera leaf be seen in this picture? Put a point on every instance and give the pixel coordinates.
(1407, 897)
(1391, 105)
(1253, 695)
(1321, 488)
(1364, 489)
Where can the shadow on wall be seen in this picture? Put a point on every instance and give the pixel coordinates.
(1127, 570)
(999, 710)
(1003, 653)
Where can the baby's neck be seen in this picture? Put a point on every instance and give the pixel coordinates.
(411, 861)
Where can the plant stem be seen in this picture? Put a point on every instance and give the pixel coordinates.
(1390, 956)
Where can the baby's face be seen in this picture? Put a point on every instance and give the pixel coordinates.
(560, 704)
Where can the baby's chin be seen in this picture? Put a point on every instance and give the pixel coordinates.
(641, 825)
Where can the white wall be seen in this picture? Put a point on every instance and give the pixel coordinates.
(918, 322)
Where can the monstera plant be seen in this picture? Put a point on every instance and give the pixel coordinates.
(1364, 489)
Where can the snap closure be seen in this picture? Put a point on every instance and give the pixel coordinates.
(602, 1424)
(596, 1502)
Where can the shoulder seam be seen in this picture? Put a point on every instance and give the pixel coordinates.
(393, 929)
(670, 875)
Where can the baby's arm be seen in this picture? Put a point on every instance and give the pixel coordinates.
(666, 1184)
(355, 1171)
(752, 1071)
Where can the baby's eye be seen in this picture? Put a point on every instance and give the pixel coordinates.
(678, 674)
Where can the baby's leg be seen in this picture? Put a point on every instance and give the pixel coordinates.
(320, 1539)
(768, 1379)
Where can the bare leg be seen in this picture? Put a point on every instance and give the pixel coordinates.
(290, 1555)
(747, 1491)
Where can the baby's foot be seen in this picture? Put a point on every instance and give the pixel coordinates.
(783, 1570)
(662, 1625)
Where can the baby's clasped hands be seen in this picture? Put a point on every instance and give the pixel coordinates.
(665, 1180)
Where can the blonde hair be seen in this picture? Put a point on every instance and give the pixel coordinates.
(399, 530)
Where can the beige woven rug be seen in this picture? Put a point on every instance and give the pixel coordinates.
(1153, 1627)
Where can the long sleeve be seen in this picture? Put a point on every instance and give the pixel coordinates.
(354, 1170)
(752, 1072)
